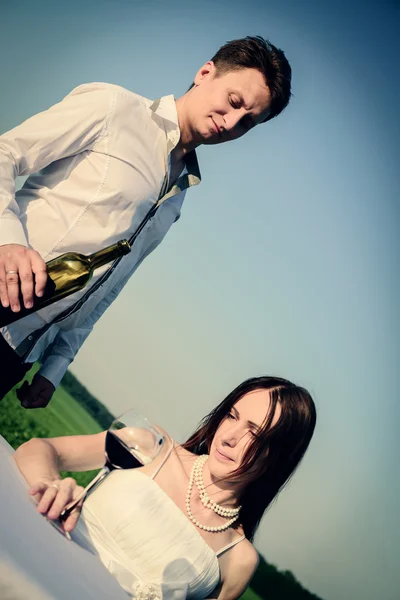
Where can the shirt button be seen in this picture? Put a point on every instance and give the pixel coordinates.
(30, 337)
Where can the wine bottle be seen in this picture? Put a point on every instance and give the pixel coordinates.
(66, 274)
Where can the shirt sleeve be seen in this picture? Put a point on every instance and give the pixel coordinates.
(67, 343)
(73, 125)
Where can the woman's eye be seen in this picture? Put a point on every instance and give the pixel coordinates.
(231, 416)
(233, 102)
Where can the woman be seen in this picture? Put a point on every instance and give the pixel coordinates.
(183, 525)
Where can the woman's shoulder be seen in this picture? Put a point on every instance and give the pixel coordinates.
(237, 568)
(243, 552)
(184, 456)
(171, 456)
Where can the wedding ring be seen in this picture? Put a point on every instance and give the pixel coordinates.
(55, 485)
(11, 272)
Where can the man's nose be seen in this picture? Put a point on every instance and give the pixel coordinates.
(233, 118)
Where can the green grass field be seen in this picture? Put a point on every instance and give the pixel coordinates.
(250, 595)
(63, 416)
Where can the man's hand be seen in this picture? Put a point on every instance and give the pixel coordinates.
(37, 394)
(17, 267)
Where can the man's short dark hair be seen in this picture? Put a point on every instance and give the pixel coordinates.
(255, 52)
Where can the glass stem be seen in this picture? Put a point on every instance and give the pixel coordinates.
(70, 507)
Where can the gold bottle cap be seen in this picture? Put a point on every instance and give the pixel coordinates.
(124, 246)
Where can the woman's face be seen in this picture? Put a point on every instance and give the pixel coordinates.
(238, 430)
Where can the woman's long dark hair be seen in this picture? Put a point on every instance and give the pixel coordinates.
(273, 456)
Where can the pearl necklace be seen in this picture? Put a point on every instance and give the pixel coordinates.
(196, 477)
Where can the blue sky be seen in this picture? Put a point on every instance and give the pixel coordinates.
(285, 260)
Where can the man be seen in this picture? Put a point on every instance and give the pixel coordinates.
(98, 161)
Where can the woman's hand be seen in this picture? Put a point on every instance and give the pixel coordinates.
(53, 495)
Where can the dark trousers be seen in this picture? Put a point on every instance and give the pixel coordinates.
(12, 369)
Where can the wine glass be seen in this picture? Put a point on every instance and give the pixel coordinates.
(131, 442)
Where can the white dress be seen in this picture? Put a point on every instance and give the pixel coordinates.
(36, 561)
(145, 540)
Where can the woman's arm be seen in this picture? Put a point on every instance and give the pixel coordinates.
(40, 461)
(46, 457)
(237, 568)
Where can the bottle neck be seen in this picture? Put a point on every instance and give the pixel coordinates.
(109, 254)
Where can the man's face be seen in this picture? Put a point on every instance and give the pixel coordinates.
(224, 107)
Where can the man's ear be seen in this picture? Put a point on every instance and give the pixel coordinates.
(207, 71)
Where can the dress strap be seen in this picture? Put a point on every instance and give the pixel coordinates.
(230, 545)
(165, 458)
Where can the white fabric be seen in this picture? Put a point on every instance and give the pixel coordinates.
(97, 163)
(36, 561)
(145, 540)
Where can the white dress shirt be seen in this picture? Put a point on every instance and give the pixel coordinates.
(98, 161)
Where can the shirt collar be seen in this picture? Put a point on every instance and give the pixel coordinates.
(165, 108)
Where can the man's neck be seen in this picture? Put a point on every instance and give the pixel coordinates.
(186, 143)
